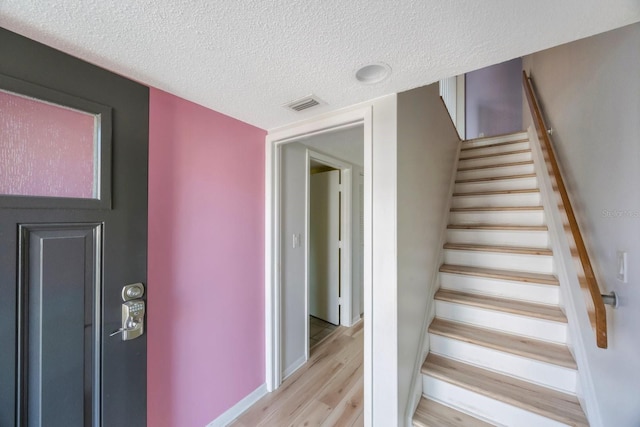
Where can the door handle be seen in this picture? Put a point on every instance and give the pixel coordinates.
(133, 311)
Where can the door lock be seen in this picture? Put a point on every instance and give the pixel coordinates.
(133, 291)
(133, 310)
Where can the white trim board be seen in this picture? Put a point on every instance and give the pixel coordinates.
(239, 408)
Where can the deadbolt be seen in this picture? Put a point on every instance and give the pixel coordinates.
(133, 291)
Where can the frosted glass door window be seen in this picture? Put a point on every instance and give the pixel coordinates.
(47, 150)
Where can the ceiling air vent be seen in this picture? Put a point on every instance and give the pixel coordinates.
(304, 103)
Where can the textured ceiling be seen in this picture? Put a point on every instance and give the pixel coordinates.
(247, 58)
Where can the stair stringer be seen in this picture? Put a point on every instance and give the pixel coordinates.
(415, 389)
(579, 327)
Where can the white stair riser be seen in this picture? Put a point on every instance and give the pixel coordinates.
(497, 171)
(505, 322)
(534, 217)
(532, 239)
(482, 406)
(497, 200)
(546, 374)
(495, 140)
(531, 292)
(524, 145)
(506, 261)
(530, 183)
(494, 160)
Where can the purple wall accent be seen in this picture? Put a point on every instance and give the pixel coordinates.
(45, 150)
(494, 99)
(206, 262)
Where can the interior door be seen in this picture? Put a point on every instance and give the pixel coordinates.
(324, 246)
(73, 232)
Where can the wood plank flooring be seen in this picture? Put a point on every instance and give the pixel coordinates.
(326, 391)
(531, 397)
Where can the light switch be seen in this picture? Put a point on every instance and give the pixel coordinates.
(296, 240)
(621, 267)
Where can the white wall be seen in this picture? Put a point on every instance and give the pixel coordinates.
(590, 95)
(426, 150)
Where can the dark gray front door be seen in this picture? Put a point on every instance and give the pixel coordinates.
(69, 240)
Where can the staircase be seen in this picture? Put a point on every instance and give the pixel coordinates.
(498, 353)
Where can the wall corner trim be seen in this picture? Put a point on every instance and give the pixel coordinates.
(236, 410)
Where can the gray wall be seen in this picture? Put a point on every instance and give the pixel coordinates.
(294, 170)
(590, 95)
(493, 99)
(357, 242)
(427, 147)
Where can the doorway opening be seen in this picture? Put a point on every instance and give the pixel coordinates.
(324, 254)
(334, 282)
(321, 218)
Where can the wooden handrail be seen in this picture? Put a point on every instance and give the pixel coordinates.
(589, 284)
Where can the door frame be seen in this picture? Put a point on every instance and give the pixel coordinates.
(380, 118)
(346, 172)
(273, 257)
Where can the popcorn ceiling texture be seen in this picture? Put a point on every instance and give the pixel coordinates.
(247, 58)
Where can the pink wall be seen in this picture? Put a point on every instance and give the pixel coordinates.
(206, 262)
(45, 150)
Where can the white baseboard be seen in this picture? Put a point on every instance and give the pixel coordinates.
(294, 367)
(236, 410)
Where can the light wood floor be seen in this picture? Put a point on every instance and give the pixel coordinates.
(327, 391)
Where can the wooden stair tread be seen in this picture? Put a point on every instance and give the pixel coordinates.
(522, 308)
(430, 413)
(501, 249)
(502, 135)
(556, 354)
(497, 144)
(497, 227)
(546, 402)
(505, 153)
(492, 273)
(499, 208)
(496, 178)
(500, 165)
(497, 192)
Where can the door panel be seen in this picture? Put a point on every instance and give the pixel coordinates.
(57, 326)
(324, 243)
(75, 255)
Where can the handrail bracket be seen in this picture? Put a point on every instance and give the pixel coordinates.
(611, 299)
